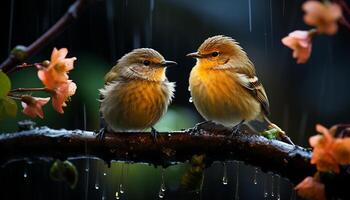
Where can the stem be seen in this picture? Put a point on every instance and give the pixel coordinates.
(67, 19)
(25, 66)
(29, 90)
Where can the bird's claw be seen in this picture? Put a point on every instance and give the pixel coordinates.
(196, 130)
(101, 134)
(154, 134)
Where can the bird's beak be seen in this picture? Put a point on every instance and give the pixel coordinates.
(194, 55)
(168, 63)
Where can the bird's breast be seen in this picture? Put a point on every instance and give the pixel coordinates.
(136, 104)
(219, 97)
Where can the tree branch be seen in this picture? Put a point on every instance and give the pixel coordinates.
(67, 19)
(292, 162)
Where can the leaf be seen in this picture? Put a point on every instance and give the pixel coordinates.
(64, 171)
(271, 133)
(8, 108)
(5, 84)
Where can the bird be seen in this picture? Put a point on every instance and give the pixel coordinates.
(137, 92)
(224, 86)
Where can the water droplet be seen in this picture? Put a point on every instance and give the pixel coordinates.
(97, 186)
(237, 182)
(265, 187)
(25, 175)
(162, 189)
(189, 89)
(272, 186)
(255, 181)
(224, 177)
(104, 173)
(117, 195)
(121, 189)
(190, 100)
(161, 194)
(278, 195)
(86, 169)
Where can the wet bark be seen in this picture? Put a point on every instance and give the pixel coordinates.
(216, 142)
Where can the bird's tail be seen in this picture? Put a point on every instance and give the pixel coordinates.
(268, 129)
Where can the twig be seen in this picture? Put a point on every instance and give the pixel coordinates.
(67, 19)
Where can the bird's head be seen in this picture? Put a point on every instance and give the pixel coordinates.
(144, 63)
(217, 51)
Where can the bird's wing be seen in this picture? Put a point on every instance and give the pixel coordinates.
(256, 89)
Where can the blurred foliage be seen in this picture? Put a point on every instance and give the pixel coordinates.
(64, 171)
(192, 179)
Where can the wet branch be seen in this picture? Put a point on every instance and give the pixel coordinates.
(65, 21)
(289, 161)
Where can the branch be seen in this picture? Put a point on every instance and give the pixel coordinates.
(292, 162)
(67, 19)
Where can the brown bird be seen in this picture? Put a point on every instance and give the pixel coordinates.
(136, 92)
(224, 86)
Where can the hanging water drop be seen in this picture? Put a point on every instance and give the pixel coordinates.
(293, 195)
(224, 177)
(190, 100)
(117, 195)
(97, 186)
(162, 189)
(272, 186)
(86, 169)
(265, 187)
(25, 175)
(121, 189)
(255, 181)
(278, 195)
(104, 174)
(161, 194)
(237, 182)
(250, 15)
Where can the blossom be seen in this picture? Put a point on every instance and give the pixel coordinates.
(56, 72)
(62, 94)
(32, 106)
(323, 16)
(300, 43)
(328, 151)
(309, 188)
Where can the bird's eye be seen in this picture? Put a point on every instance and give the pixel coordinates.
(214, 54)
(146, 62)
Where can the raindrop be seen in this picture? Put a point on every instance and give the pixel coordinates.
(272, 186)
(224, 177)
(278, 195)
(265, 187)
(255, 181)
(121, 189)
(97, 186)
(86, 169)
(10, 25)
(250, 15)
(104, 173)
(190, 100)
(237, 182)
(117, 195)
(25, 175)
(162, 189)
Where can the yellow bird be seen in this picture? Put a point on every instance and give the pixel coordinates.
(136, 92)
(224, 86)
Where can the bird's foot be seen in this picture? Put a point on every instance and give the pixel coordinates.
(237, 129)
(154, 134)
(100, 136)
(196, 129)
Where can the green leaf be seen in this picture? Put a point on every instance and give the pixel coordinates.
(64, 171)
(8, 108)
(5, 84)
(271, 133)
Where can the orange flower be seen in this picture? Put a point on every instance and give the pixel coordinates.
(300, 43)
(56, 73)
(62, 94)
(309, 188)
(32, 105)
(323, 16)
(328, 151)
